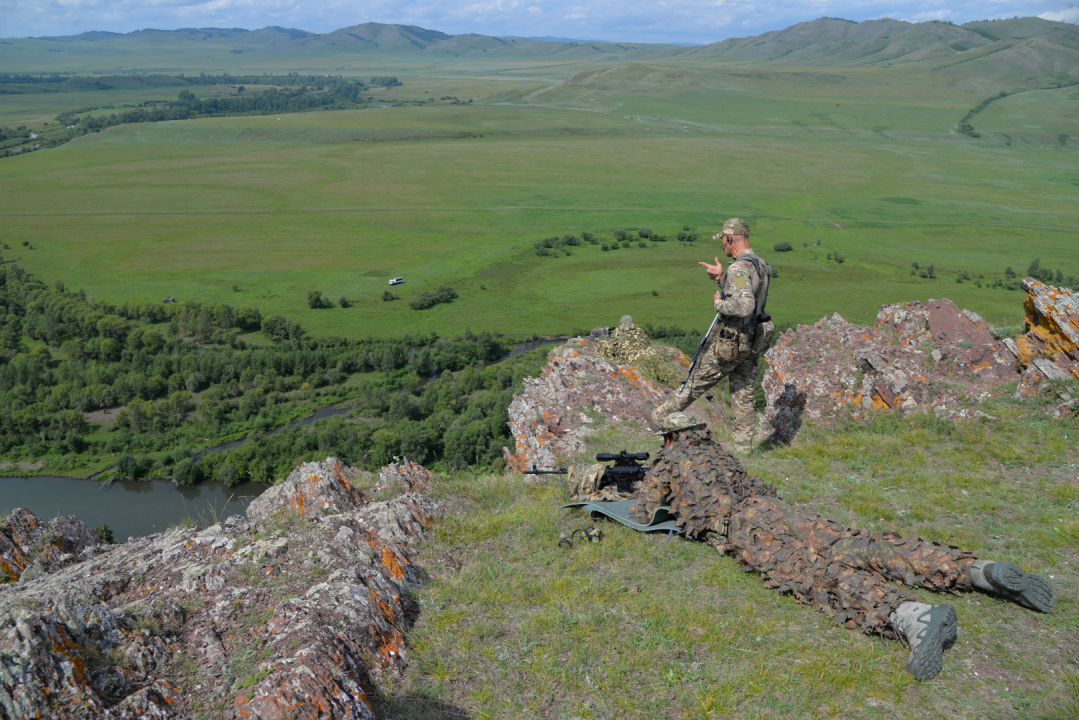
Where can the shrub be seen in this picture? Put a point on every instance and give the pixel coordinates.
(425, 300)
(127, 466)
(316, 301)
(104, 534)
(605, 247)
(642, 243)
(645, 233)
(589, 238)
(782, 247)
(388, 296)
(343, 301)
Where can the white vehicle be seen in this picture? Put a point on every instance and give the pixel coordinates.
(397, 281)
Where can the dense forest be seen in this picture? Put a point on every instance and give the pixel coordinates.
(170, 380)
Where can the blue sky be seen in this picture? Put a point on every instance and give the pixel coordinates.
(685, 21)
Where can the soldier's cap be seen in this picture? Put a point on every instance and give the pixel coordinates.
(735, 226)
(678, 421)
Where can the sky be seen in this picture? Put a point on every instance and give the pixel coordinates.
(679, 21)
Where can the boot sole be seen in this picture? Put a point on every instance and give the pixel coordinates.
(926, 662)
(1030, 591)
(1037, 593)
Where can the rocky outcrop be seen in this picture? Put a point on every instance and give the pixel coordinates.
(311, 489)
(579, 390)
(29, 546)
(404, 476)
(1050, 348)
(293, 611)
(932, 358)
(551, 416)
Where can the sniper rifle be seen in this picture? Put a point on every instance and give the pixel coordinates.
(626, 470)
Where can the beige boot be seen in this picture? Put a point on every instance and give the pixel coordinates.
(654, 415)
(929, 630)
(1011, 583)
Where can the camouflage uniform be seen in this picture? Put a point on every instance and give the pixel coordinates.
(838, 570)
(624, 344)
(735, 356)
(583, 483)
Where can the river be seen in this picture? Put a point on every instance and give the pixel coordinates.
(130, 509)
(135, 508)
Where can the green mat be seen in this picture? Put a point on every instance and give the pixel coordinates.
(662, 519)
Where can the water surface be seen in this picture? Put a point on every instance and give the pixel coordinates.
(128, 508)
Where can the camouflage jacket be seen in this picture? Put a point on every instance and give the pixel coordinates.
(740, 284)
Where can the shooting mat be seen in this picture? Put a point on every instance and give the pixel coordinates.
(662, 519)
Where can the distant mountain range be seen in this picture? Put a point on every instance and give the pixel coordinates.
(1042, 47)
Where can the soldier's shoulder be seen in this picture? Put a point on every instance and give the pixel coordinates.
(744, 263)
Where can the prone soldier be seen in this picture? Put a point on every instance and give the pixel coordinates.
(838, 570)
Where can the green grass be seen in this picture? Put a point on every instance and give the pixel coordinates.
(638, 627)
(342, 201)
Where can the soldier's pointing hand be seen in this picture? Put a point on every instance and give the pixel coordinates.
(714, 271)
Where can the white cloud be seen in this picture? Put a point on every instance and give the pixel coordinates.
(931, 15)
(624, 20)
(1071, 15)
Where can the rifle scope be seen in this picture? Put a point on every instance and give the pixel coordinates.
(607, 457)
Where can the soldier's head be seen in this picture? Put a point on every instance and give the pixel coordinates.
(678, 422)
(735, 237)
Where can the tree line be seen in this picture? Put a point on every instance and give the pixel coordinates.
(176, 377)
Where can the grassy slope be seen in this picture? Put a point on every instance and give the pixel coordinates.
(637, 627)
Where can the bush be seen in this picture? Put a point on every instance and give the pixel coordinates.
(426, 300)
(589, 238)
(127, 466)
(642, 243)
(343, 302)
(645, 233)
(840, 258)
(104, 534)
(316, 301)
(605, 247)
(782, 247)
(388, 296)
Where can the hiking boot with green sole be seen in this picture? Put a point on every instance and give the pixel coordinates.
(1010, 582)
(929, 630)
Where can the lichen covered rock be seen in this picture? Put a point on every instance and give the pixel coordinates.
(915, 358)
(293, 614)
(26, 542)
(1049, 350)
(578, 390)
(404, 476)
(311, 489)
(551, 416)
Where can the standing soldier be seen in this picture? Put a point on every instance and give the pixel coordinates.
(744, 332)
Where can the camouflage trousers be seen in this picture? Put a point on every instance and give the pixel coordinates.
(583, 483)
(709, 371)
(838, 570)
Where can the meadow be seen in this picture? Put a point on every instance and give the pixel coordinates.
(260, 210)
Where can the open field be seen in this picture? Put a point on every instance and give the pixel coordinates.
(637, 626)
(342, 201)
